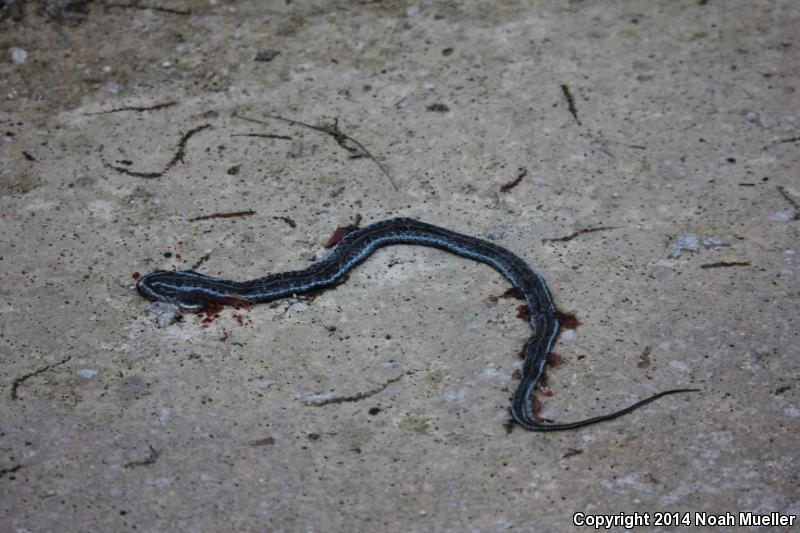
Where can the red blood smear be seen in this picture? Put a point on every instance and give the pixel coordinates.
(543, 381)
(236, 302)
(554, 360)
(513, 292)
(224, 336)
(524, 313)
(239, 303)
(567, 320)
(212, 312)
(516, 375)
(537, 406)
(546, 392)
(337, 236)
(213, 309)
(135, 275)
(341, 231)
(28, 156)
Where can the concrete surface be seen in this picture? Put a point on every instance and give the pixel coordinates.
(683, 142)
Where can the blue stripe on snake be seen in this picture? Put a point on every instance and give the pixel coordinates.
(191, 290)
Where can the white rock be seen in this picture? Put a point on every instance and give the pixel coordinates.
(18, 55)
(87, 373)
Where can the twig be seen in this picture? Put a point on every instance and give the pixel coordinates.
(135, 5)
(22, 379)
(570, 102)
(511, 184)
(782, 141)
(181, 151)
(792, 201)
(138, 109)
(355, 397)
(726, 264)
(579, 232)
(334, 131)
(438, 108)
(247, 213)
(644, 359)
(150, 459)
(266, 441)
(264, 135)
(291, 223)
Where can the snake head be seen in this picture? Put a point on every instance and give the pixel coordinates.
(179, 288)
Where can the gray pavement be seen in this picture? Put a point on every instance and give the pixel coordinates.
(641, 155)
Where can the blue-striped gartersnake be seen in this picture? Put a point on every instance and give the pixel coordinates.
(191, 290)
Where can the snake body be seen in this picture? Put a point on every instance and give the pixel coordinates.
(191, 290)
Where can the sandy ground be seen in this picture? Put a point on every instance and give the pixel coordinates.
(669, 129)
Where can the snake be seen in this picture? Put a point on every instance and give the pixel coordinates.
(194, 291)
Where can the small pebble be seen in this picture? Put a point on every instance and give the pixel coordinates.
(567, 335)
(19, 55)
(496, 233)
(672, 169)
(679, 365)
(299, 307)
(111, 88)
(781, 216)
(685, 242)
(412, 10)
(713, 242)
(490, 373)
(87, 373)
(540, 180)
(751, 116)
(165, 313)
(455, 395)
(264, 384)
